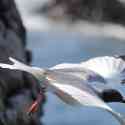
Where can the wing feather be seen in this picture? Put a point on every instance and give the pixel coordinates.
(110, 68)
(76, 88)
(106, 66)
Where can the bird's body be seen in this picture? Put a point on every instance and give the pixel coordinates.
(74, 83)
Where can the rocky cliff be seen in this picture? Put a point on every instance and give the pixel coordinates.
(17, 89)
(89, 10)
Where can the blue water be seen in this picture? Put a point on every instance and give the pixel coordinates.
(50, 49)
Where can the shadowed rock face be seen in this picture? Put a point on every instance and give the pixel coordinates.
(95, 11)
(17, 89)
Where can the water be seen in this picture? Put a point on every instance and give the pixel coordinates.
(51, 48)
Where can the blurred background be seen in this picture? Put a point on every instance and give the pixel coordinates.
(71, 31)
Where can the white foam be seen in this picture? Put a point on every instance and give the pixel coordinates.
(39, 23)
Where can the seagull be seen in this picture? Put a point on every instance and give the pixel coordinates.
(79, 84)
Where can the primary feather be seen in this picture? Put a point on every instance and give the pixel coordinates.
(107, 67)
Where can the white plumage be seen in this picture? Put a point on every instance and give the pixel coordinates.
(107, 67)
(70, 81)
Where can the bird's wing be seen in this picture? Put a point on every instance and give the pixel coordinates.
(92, 78)
(110, 68)
(17, 65)
(79, 92)
(76, 88)
(83, 73)
(65, 65)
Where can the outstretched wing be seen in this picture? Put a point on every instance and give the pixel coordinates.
(79, 91)
(76, 88)
(80, 71)
(92, 78)
(17, 65)
(110, 68)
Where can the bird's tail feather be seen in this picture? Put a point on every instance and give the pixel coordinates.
(37, 72)
(117, 115)
(15, 66)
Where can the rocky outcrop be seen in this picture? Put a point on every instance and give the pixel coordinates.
(91, 10)
(17, 89)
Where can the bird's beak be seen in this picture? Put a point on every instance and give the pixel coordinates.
(35, 105)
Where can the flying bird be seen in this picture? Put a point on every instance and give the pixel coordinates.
(80, 84)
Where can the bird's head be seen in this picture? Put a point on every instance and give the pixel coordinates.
(112, 95)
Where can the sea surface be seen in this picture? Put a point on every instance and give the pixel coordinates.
(51, 48)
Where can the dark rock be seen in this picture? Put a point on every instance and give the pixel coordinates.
(12, 20)
(17, 89)
(90, 10)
